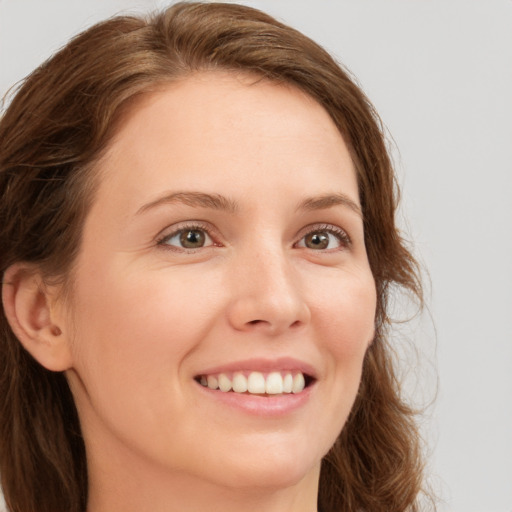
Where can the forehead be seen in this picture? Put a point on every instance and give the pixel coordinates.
(215, 126)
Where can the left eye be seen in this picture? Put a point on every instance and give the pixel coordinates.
(323, 239)
(189, 238)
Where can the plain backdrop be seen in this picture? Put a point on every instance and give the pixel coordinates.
(440, 75)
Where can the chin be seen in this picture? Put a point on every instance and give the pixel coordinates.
(270, 469)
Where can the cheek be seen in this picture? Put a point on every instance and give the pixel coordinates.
(137, 309)
(347, 314)
(343, 321)
(133, 336)
(134, 331)
(346, 327)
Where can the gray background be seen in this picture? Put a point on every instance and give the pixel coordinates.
(440, 75)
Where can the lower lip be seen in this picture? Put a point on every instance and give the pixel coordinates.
(269, 406)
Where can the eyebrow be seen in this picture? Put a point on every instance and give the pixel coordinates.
(326, 201)
(194, 199)
(220, 202)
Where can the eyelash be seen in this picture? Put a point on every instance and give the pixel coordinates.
(340, 234)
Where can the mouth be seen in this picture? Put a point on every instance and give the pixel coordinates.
(257, 383)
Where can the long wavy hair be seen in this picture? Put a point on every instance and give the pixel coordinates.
(57, 126)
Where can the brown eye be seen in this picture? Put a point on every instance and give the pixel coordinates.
(188, 238)
(316, 240)
(192, 238)
(324, 239)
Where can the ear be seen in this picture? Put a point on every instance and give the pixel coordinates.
(29, 306)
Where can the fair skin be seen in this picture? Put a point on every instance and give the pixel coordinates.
(225, 238)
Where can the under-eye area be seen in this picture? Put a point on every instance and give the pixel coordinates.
(257, 383)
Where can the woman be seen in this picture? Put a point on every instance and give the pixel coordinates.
(198, 244)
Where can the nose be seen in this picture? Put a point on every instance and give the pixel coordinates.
(267, 295)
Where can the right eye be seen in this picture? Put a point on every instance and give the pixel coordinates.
(188, 238)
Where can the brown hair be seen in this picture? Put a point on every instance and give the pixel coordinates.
(54, 130)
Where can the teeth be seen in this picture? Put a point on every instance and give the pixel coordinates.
(288, 383)
(256, 383)
(274, 383)
(298, 383)
(212, 381)
(224, 383)
(239, 383)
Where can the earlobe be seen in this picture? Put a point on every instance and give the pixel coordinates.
(27, 303)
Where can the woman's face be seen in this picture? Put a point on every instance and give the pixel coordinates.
(224, 246)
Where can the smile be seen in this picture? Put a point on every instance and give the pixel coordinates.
(256, 383)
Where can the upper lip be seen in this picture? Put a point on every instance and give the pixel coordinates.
(263, 365)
